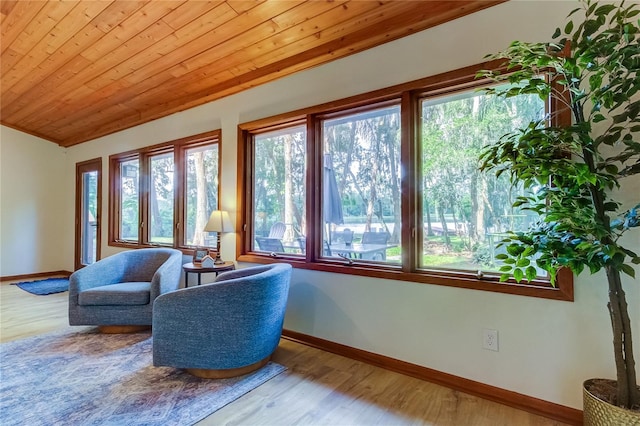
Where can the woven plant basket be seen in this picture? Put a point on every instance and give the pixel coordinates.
(597, 412)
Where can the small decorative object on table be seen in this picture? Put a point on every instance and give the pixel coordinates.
(208, 262)
(199, 254)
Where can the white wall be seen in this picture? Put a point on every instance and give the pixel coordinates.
(547, 348)
(32, 205)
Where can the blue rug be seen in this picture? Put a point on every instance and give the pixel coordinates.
(87, 378)
(48, 286)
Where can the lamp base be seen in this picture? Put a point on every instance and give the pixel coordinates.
(218, 260)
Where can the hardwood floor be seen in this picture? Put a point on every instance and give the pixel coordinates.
(318, 388)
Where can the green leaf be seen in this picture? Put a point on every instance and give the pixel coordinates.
(531, 273)
(514, 249)
(518, 274)
(567, 29)
(628, 270)
(604, 10)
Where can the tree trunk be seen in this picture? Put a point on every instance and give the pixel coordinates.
(373, 178)
(395, 185)
(427, 210)
(479, 192)
(628, 394)
(201, 200)
(445, 230)
(288, 189)
(156, 228)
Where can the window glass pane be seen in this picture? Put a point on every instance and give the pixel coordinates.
(129, 184)
(279, 191)
(361, 185)
(89, 213)
(161, 199)
(201, 197)
(465, 212)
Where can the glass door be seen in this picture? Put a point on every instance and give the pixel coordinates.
(88, 206)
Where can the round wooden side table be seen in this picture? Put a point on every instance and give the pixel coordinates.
(190, 268)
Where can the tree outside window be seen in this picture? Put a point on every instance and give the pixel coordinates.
(465, 212)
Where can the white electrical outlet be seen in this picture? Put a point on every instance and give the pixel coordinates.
(490, 339)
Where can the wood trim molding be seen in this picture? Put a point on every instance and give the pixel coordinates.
(36, 275)
(520, 401)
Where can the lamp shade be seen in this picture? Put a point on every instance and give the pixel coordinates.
(219, 221)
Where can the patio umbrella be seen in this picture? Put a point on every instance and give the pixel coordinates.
(331, 200)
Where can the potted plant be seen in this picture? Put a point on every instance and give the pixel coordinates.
(591, 68)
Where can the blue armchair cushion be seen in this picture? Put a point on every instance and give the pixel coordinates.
(130, 293)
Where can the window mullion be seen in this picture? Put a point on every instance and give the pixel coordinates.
(179, 191)
(314, 184)
(144, 219)
(411, 202)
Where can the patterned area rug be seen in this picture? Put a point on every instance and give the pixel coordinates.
(48, 286)
(87, 378)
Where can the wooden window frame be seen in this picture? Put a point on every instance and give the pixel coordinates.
(81, 168)
(408, 95)
(178, 147)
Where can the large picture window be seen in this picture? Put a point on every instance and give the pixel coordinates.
(387, 185)
(361, 184)
(465, 213)
(279, 191)
(163, 195)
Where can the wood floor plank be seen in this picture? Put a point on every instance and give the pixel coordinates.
(318, 388)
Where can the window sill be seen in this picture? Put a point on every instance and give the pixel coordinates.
(541, 289)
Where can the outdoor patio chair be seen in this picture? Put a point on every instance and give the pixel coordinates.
(327, 248)
(375, 238)
(273, 245)
(302, 243)
(345, 236)
(277, 230)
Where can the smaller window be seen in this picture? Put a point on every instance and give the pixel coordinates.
(164, 194)
(129, 198)
(161, 199)
(201, 193)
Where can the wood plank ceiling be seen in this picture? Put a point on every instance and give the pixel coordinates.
(72, 71)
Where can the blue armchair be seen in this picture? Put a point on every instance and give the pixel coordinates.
(118, 292)
(224, 329)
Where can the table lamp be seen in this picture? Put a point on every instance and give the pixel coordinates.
(219, 221)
